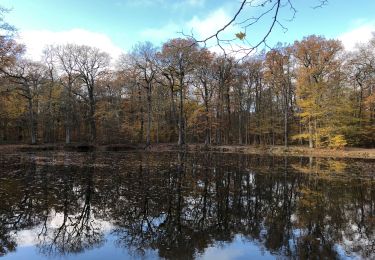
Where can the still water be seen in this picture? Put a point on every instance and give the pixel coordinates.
(123, 205)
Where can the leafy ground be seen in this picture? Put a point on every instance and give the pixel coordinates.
(245, 149)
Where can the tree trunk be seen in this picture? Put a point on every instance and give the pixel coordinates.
(239, 128)
(218, 127)
(32, 122)
(227, 101)
(92, 115)
(311, 145)
(48, 129)
(286, 121)
(208, 138)
(67, 135)
(140, 137)
(157, 130)
(148, 130)
(68, 119)
(181, 125)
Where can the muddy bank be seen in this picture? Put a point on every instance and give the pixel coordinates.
(245, 149)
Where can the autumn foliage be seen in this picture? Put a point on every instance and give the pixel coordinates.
(312, 92)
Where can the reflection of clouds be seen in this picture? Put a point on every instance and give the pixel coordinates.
(357, 240)
(239, 248)
(184, 215)
(58, 219)
(26, 237)
(31, 237)
(344, 255)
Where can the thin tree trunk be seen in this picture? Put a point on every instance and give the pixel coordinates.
(32, 122)
(239, 128)
(181, 126)
(311, 145)
(148, 130)
(68, 118)
(286, 124)
(92, 122)
(140, 137)
(207, 139)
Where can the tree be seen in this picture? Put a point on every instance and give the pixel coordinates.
(91, 63)
(205, 86)
(278, 68)
(49, 94)
(310, 91)
(26, 78)
(361, 71)
(223, 76)
(10, 50)
(319, 90)
(65, 58)
(179, 57)
(144, 58)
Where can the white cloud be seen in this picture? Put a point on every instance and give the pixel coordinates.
(202, 28)
(198, 27)
(361, 34)
(36, 40)
(209, 25)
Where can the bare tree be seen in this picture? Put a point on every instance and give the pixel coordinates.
(66, 61)
(144, 58)
(51, 80)
(90, 64)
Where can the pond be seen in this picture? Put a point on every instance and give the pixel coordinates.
(125, 205)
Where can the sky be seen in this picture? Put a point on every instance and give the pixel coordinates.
(115, 26)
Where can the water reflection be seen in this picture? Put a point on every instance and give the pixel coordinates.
(181, 206)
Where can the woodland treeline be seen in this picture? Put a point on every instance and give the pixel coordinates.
(310, 92)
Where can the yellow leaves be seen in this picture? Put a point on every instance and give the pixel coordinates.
(11, 106)
(336, 166)
(323, 168)
(337, 142)
(196, 114)
(303, 136)
(324, 107)
(241, 35)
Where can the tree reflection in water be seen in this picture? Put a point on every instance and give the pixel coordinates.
(181, 204)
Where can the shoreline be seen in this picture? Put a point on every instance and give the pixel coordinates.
(295, 151)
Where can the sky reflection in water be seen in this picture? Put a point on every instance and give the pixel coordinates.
(183, 206)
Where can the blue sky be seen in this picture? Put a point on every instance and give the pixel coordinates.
(116, 25)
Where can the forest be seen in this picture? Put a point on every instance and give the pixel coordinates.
(312, 92)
